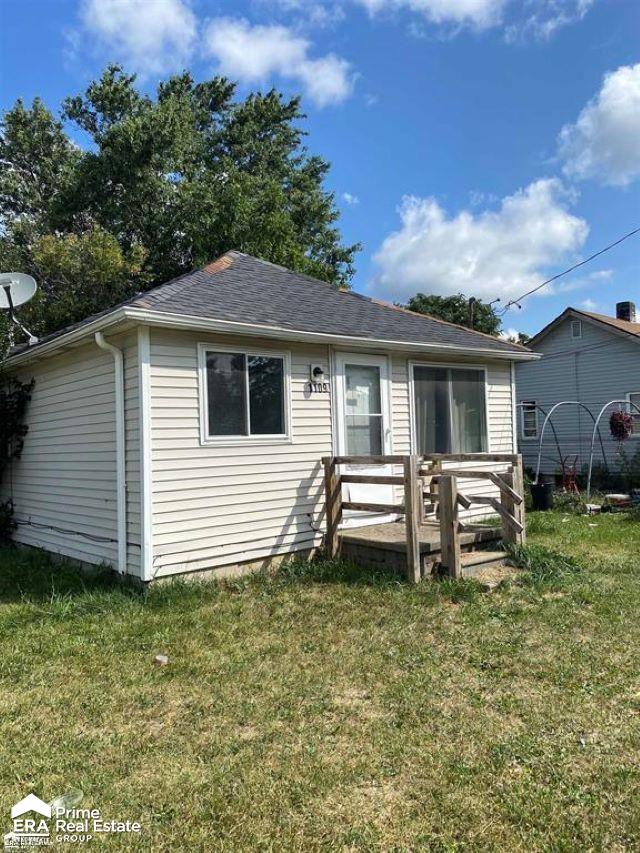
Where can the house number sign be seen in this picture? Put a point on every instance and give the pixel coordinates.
(318, 387)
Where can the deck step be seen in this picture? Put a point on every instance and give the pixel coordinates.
(477, 561)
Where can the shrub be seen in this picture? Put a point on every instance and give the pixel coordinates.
(14, 398)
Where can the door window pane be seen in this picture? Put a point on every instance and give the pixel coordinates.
(363, 405)
(431, 398)
(364, 435)
(227, 414)
(468, 411)
(363, 389)
(266, 395)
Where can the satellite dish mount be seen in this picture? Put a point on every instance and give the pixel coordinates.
(16, 288)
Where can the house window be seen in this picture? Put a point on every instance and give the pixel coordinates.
(634, 397)
(450, 409)
(576, 329)
(244, 394)
(529, 419)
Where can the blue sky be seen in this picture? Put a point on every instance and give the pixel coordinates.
(476, 145)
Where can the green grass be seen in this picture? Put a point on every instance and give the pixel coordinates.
(335, 709)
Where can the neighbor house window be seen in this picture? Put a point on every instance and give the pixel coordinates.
(634, 397)
(576, 328)
(529, 419)
(244, 394)
(450, 409)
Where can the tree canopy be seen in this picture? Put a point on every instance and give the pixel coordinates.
(158, 186)
(458, 309)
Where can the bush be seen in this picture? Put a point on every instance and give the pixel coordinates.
(14, 398)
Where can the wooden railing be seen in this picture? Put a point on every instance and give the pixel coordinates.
(433, 478)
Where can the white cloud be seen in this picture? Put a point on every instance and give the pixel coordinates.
(589, 304)
(478, 13)
(253, 54)
(351, 199)
(604, 142)
(493, 253)
(150, 36)
(543, 18)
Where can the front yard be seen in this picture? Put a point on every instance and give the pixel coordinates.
(327, 709)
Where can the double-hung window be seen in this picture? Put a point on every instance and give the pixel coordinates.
(634, 398)
(529, 419)
(244, 394)
(450, 409)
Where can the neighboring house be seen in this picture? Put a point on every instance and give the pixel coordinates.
(183, 430)
(585, 357)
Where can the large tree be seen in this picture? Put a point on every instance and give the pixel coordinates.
(158, 186)
(470, 312)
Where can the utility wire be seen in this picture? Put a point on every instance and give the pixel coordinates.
(565, 272)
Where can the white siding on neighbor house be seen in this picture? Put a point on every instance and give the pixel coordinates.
(599, 367)
(218, 505)
(64, 483)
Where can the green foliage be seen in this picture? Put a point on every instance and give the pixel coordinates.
(569, 502)
(14, 398)
(457, 309)
(543, 565)
(166, 185)
(630, 467)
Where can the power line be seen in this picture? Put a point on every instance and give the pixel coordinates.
(565, 272)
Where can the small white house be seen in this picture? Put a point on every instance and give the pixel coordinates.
(183, 430)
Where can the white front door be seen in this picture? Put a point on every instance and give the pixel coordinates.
(363, 405)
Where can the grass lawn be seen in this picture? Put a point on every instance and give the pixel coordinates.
(327, 709)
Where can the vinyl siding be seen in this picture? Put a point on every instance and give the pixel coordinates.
(218, 505)
(599, 367)
(64, 483)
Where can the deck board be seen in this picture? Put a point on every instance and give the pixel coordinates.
(391, 536)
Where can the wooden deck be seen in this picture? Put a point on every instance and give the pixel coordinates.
(385, 545)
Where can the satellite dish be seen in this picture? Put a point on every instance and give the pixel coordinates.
(16, 288)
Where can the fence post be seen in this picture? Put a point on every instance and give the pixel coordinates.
(449, 532)
(412, 518)
(518, 485)
(333, 508)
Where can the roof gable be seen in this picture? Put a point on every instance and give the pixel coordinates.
(631, 331)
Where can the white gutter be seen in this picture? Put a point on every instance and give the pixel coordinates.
(121, 483)
(204, 324)
(189, 321)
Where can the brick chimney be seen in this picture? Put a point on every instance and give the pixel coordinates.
(626, 311)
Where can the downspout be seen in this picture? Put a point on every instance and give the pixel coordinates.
(121, 483)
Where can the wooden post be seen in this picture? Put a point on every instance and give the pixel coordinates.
(333, 509)
(515, 480)
(449, 531)
(411, 513)
(518, 485)
(509, 533)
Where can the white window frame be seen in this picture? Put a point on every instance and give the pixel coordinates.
(235, 440)
(533, 403)
(576, 324)
(633, 412)
(454, 365)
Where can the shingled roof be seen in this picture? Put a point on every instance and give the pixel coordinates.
(613, 323)
(239, 288)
